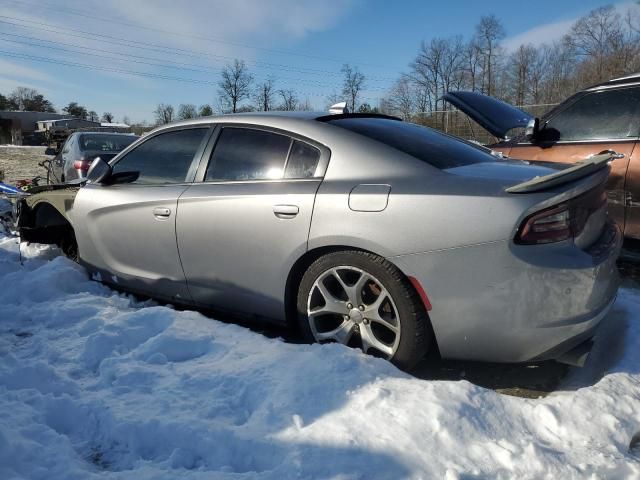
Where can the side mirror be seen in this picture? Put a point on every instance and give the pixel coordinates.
(532, 129)
(99, 171)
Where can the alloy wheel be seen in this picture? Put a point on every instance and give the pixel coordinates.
(350, 306)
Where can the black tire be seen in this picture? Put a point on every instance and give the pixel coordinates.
(415, 331)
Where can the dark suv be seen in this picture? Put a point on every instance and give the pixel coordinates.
(603, 117)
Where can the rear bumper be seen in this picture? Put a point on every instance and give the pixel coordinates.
(502, 302)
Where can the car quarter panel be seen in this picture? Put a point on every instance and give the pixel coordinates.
(507, 303)
(426, 209)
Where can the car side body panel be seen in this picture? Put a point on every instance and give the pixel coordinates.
(507, 303)
(124, 237)
(239, 240)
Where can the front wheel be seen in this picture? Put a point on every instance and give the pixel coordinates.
(363, 301)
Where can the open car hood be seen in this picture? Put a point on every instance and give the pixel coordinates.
(494, 115)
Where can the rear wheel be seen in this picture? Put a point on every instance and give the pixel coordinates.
(363, 301)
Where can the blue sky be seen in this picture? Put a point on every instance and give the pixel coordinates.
(301, 44)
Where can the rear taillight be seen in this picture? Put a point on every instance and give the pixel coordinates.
(560, 222)
(546, 226)
(82, 165)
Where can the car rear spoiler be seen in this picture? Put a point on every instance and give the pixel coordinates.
(580, 170)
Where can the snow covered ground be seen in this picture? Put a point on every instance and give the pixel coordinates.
(94, 384)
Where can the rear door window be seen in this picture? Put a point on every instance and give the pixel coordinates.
(164, 158)
(604, 115)
(248, 154)
(430, 146)
(303, 161)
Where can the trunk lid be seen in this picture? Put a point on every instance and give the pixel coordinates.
(580, 170)
(519, 176)
(495, 116)
(507, 172)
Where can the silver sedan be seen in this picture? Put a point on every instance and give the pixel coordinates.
(359, 229)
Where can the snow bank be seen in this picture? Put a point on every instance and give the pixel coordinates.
(94, 384)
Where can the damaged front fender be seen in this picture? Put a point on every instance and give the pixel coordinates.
(43, 216)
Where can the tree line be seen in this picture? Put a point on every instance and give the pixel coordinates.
(601, 45)
(239, 91)
(23, 99)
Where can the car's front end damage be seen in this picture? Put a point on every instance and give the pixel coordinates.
(41, 217)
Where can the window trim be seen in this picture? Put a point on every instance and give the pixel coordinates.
(321, 168)
(635, 122)
(197, 157)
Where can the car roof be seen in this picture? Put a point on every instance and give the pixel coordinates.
(260, 117)
(627, 80)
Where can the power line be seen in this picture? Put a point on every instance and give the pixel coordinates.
(307, 82)
(133, 72)
(140, 59)
(186, 35)
(157, 47)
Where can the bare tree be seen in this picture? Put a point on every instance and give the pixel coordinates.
(163, 113)
(538, 73)
(632, 19)
(426, 70)
(305, 106)
(520, 64)
(452, 73)
(438, 68)
(289, 100)
(126, 120)
(186, 111)
(472, 56)
(489, 32)
(596, 35)
(235, 85)
(353, 84)
(264, 95)
(107, 117)
(400, 100)
(93, 116)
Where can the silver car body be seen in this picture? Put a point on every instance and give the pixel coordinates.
(236, 245)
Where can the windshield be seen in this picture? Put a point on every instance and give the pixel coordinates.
(430, 146)
(105, 143)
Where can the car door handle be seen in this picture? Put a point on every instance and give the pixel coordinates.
(285, 211)
(161, 212)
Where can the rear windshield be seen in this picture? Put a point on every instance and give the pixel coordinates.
(105, 143)
(433, 147)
